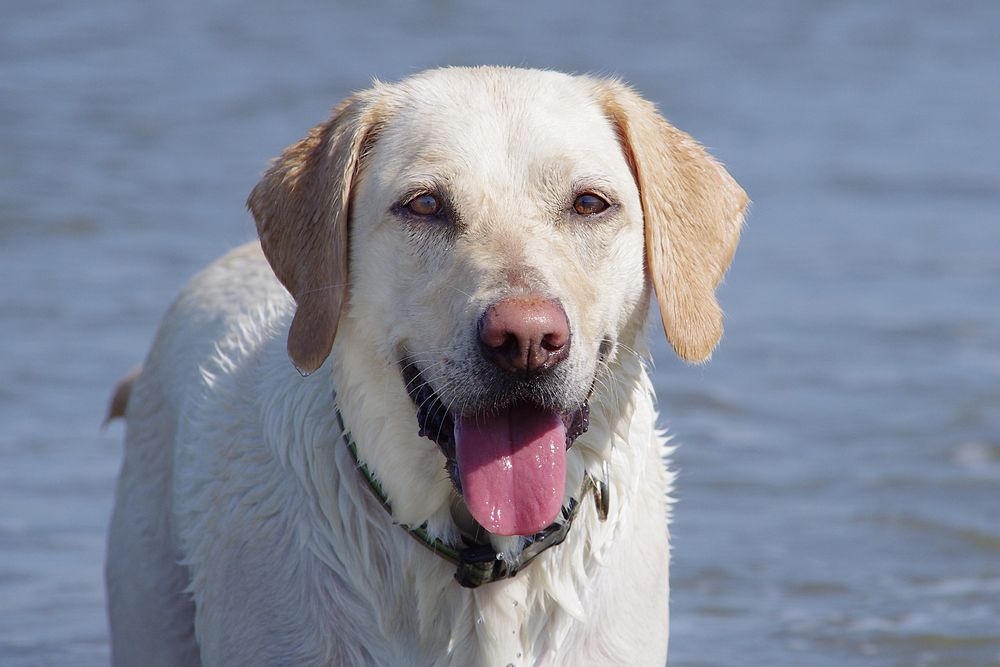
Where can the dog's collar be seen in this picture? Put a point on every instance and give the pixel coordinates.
(476, 561)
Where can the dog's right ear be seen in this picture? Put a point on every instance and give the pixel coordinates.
(301, 207)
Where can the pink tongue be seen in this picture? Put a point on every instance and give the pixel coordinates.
(513, 468)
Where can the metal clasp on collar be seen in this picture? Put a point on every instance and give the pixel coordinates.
(602, 492)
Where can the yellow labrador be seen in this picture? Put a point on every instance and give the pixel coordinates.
(466, 468)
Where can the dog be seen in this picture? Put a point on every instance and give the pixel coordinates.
(466, 468)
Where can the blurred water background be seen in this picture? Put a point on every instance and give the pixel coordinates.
(840, 462)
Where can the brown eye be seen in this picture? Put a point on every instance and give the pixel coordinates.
(590, 204)
(424, 205)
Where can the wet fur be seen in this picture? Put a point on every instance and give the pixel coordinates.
(243, 534)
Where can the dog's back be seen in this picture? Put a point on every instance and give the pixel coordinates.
(151, 615)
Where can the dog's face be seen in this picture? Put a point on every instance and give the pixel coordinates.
(499, 229)
(479, 193)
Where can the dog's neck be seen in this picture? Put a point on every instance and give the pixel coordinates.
(505, 618)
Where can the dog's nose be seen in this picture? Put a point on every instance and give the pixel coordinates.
(525, 334)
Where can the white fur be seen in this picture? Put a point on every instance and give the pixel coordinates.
(243, 535)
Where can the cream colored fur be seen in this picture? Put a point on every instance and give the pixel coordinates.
(242, 533)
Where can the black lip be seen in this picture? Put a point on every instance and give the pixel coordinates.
(437, 424)
(433, 419)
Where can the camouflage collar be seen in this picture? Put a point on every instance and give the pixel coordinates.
(476, 561)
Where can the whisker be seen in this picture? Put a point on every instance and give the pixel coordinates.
(462, 292)
(321, 289)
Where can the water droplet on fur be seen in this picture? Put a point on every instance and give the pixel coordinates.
(518, 655)
(515, 604)
(479, 620)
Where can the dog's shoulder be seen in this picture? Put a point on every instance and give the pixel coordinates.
(237, 290)
(225, 312)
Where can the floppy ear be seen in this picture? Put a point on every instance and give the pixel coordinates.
(301, 207)
(692, 210)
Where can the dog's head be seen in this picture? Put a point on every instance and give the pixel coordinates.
(498, 231)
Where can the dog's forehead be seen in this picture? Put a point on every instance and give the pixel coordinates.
(452, 122)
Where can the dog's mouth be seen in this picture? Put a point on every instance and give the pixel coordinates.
(508, 463)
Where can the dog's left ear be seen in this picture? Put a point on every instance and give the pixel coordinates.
(301, 207)
(693, 212)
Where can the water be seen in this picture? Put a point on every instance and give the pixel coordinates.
(840, 468)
